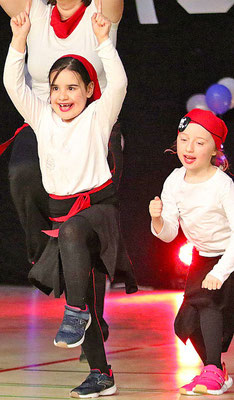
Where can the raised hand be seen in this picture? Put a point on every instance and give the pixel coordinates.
(101, 24)
(20, 24)
(211, 283)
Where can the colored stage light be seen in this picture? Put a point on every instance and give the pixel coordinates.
(185, 253)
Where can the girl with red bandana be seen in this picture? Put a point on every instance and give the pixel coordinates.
(199, 197)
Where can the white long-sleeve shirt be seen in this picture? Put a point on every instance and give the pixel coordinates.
(72, 155)
(205, 212)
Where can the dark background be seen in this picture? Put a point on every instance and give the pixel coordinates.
(166, 64)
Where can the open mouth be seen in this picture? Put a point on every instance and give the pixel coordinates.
(65, 107)
(189, 159)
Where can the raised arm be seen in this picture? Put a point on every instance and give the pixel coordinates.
(13, 7)
(112, 9)
(28, 105)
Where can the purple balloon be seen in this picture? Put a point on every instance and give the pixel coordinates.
(218, 98)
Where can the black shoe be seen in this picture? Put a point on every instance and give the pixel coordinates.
(95, 385)
(72, 330)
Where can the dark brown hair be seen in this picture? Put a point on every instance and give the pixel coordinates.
(54, 2)
(72, 64)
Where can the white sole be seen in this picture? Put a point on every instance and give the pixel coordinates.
(202, 389)
(106, 392)
(64, 345)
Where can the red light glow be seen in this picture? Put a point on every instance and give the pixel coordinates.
(185, 253)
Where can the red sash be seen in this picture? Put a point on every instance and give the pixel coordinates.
(82, 202)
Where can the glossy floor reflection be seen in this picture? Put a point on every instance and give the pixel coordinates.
(148, 361)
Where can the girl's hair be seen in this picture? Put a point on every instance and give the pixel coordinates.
(219, 160)
(54, 2)
(72, 64)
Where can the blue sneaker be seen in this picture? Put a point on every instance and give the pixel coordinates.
(95, 385)
(72, 330)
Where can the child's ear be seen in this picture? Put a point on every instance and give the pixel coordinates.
(90, 89)
(214, 152)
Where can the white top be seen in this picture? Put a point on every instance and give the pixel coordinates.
(205, 212)
(72, 155)
(44, 47)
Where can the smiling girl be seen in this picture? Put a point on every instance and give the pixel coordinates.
(73, 133)
(200, 196)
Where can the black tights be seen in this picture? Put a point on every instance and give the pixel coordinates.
(94, 344)
(78, 245)
(207, 340)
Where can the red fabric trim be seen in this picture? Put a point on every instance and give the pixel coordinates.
(4, 145)
(82, 202)
(63, 29)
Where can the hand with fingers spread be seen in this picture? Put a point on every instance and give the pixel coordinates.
(20, 26)
(211, 283)
(155, 210)
(101, 24)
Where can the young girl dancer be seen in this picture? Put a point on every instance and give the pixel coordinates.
(200, 196)
(73, 133)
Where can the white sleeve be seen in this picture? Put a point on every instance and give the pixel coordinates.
(225, 265)
(28, 105)
(170, 212)
(110, 103)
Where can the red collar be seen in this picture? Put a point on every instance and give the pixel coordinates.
(63, 29)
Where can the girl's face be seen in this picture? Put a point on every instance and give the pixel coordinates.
(68, 94)
(195, 148)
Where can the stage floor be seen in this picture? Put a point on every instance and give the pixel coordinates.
(147, 360)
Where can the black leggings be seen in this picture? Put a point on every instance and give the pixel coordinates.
(207, 340)
(93, 345)
(79, 246)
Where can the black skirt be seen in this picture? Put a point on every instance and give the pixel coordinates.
(195, 297)
(103, 216)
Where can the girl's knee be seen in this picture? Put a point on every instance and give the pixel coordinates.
(74, 229)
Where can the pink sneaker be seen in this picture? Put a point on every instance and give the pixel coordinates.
(188, 389)
(213, 381)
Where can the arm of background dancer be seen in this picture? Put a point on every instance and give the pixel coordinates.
(112, 9)
(13, 7)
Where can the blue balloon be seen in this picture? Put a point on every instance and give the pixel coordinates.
(218, 98)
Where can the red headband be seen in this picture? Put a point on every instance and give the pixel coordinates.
(92, 74)
(209, 121)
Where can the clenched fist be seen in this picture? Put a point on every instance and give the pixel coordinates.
(155, 207)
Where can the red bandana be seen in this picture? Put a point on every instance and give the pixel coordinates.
(92, 74)
(208, 120)
(63, 29)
